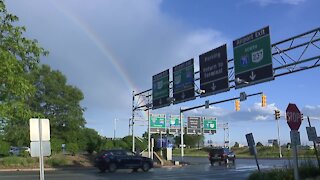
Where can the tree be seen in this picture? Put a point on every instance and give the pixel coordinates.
(259, 144)
(59, 102)
(236, 144)
(18, 56)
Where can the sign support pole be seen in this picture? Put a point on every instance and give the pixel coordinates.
(295, 164)
(182, 129)
(132, 120)
(314, 145)
(41, 154)
(149, 135)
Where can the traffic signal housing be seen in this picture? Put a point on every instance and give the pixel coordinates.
(276, 114)
(237, 104)
(263, 100)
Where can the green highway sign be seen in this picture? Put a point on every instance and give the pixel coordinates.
(252, 58)
(160, 90)
(157, 123)
(209, 125)
(183, 82)
(175, 124)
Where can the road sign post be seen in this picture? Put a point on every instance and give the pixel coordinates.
(294, 119)
(252, 148)
(252, 58)
(40, 141)
(313, 137)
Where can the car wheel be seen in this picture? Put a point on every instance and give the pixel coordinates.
(112, 167)
(102, 169)
(135, 170)
(212, 163)
(145, 167)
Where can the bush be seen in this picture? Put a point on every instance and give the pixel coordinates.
(57, 160)
(72, 148)
(4, 148)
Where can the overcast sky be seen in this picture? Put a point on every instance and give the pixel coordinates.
(108, 48)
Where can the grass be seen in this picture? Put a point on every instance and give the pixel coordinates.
(19, 162)
(307, 169)
(56, 160)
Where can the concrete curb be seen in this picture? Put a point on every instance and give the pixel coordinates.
(45, 169)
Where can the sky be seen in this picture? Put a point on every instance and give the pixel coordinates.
(110, 48)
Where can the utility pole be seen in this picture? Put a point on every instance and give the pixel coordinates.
(114, 128)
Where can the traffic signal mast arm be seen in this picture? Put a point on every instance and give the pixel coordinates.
(218, 102)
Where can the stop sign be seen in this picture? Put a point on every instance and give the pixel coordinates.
(293, 116)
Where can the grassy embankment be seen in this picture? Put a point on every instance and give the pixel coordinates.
(57, 160)
(263, 152)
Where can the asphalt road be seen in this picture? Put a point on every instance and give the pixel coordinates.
(199, 168)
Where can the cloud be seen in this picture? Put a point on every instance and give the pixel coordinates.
(269, 2)
(312, 111)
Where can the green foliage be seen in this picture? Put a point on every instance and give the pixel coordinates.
(16, 161)
(24, 154)
(57, 160)
(120, 144)
(56, 145)
(72, 148)
(4, 148)
(307, 169)
(107, 144)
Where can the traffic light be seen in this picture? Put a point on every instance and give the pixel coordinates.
(264, 100)
(237, 103)
(276, 114)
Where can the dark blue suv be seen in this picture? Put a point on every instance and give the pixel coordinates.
(122, 159)
(221, 155)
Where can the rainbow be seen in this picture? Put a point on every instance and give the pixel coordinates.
(102, 46)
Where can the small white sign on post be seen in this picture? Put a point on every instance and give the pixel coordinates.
(35, 148)
(34, 129)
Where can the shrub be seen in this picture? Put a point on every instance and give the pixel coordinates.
(4, 148)
(57, 160)
(15, 161)
(72, 148)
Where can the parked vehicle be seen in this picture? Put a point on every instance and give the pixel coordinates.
(221, 155)
(18, 150)
(122, 159)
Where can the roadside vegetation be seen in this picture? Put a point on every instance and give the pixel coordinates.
(307, 169)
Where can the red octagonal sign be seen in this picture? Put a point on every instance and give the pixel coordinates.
(293, 116)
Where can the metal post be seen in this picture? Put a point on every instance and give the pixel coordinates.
(132, 126)
(182, 129)
(114, 128)
(314, 145)
(224, 135)
(41, 151)
(280, 153)
(161, 143)
(149, 135)
(295, 160)
(152, 146)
